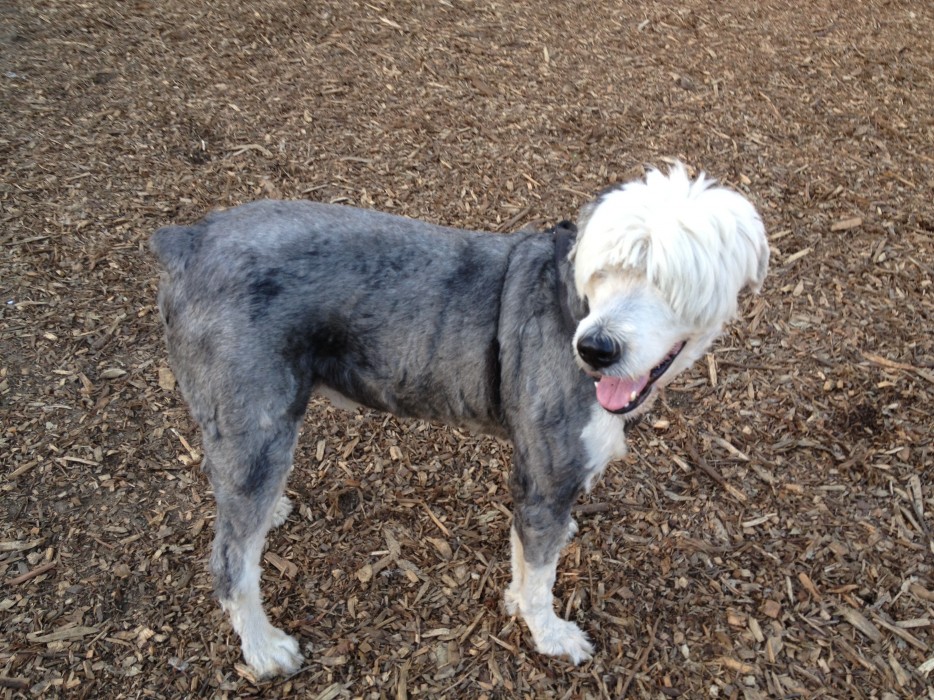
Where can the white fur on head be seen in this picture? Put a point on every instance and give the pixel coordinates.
(696, 243)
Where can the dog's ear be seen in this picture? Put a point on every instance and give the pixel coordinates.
(763, 252)
(573, 308)
(751, 250)
(565, 234)
(583, 217)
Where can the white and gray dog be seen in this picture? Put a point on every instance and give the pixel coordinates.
(553, 340)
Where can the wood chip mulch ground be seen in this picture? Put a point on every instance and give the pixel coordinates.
(770, 535)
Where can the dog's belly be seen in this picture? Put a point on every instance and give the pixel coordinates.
(344, 403)
(463, 396)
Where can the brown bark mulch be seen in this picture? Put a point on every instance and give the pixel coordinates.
(770, 534)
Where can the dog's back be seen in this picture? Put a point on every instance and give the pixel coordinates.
(339, 291)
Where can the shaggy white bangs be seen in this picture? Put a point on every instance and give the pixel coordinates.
(698, 244)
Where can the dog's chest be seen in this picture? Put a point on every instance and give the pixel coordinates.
(604, 438)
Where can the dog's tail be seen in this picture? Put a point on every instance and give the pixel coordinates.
(175, 246)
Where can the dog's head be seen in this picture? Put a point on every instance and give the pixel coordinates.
(660, 263)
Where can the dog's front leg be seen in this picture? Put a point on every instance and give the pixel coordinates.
(539, 532)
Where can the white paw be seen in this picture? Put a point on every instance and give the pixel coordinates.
(511, 599)
(272, 653)
(281, 511)
(563, 638)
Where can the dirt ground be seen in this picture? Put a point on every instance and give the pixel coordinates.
(770, 534)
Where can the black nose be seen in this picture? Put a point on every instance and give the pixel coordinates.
(598, 350)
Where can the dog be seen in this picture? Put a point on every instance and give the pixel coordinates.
(553, 340)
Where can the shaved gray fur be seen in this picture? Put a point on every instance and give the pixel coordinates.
(269, 301)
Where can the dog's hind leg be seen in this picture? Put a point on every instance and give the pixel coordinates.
(248, 471)
(542, 525)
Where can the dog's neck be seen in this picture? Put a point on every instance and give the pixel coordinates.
(573, 308)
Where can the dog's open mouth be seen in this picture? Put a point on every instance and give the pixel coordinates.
(623, 394)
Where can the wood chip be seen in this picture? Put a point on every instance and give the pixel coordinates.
(922, 372)
(756, 630)
(759, 520)
(284, 566)
(921, 592)
(927, 667)
(365, 573)
(771, 608)
(899, 631)
(62, 635)
(712, 368)
(859, 621)
(794, 257)
(332, 691)
(38, 571)
(902, 677)
(773, 648)
(809, 585)
(701, 463)
(166, 379)
(19, 545)
(735, 665)
(444, 549)
(847, 224)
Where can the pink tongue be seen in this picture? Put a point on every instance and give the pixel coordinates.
(615, 394)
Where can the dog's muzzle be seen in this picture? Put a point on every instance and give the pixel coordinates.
(598, 350)
(616, 394)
